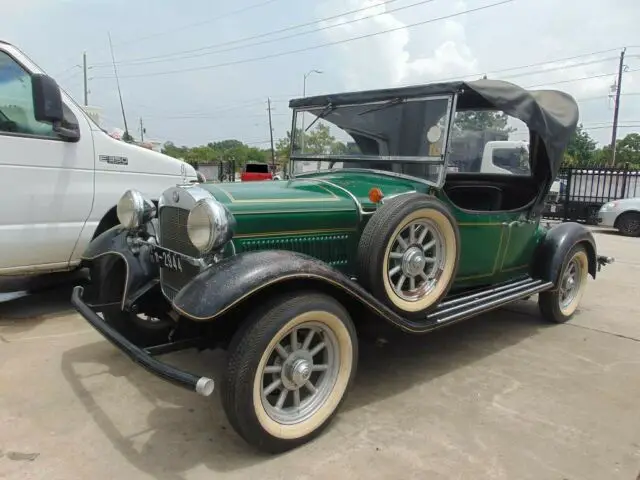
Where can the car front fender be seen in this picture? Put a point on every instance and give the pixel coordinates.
(112, 246)
(239, 280)
(556, 245)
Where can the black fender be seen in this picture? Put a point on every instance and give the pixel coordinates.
(237, 279)
(556, 245)
(114, 245)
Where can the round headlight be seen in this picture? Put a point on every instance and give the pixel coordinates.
(134, 209)
(209, 225)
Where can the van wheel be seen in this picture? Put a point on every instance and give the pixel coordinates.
(288, 371)
(408, 254)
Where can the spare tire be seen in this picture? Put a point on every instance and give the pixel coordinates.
(408, 253)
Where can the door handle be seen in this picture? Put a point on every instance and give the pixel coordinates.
(515, 223)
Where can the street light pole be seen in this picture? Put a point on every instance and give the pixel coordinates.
(304, 94)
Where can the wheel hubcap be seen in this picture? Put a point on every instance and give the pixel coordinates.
(416, 260)
(570, 285)
(300, 373)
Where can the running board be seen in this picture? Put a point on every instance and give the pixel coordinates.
(477, 302)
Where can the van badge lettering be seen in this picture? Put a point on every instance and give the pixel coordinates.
(114, 160)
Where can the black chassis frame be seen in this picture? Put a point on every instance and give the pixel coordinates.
(252, 274)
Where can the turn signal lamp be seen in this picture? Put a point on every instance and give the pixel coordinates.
(375, 195)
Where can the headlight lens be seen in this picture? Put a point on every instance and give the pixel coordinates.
(134, 209)
(209, 225)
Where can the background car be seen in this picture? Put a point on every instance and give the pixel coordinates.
(623, 215)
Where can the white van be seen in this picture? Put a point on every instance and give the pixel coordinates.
(61, 175)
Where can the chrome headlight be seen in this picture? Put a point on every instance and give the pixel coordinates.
(134, 209)
(209, 225)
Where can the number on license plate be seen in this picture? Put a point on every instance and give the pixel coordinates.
(167, 260)
(553, 208)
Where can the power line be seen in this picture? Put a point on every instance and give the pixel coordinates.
(253, 37)
(278, 39)
(197, 24)
(578, 79)
(316, 47)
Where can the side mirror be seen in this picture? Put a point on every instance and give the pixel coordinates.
(48, 106)
(47, 100)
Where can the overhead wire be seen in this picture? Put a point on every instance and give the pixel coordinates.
(180, 53)
(318, 46)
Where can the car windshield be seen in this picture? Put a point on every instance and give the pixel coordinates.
(400, 135)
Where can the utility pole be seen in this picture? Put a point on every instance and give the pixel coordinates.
(616, 108)
(142, 132)
(86, 87)
(273, 152)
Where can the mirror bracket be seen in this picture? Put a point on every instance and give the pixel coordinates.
(66, 133)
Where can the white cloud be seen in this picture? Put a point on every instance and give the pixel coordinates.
(388, 59)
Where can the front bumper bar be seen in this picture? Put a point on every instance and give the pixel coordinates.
(201, 385)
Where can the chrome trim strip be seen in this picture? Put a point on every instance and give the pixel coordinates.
(361, 211)
(370, 170)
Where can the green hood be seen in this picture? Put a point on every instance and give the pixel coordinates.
(322, 203)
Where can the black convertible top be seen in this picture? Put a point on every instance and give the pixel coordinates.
(550, 115)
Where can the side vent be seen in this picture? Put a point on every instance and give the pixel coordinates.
(331, 249)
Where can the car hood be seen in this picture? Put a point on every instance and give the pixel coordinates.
(331, 191)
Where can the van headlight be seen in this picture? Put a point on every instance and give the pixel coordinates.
(134, 209)
(209, 225)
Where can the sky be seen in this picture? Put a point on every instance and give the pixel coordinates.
(200, 71)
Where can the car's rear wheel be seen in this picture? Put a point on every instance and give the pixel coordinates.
(629, 224)
(559, 305)
(408, 254)
(288, 371)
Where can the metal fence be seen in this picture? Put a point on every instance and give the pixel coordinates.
(584, 191)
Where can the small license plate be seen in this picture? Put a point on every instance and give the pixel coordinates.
(166, 259)
(553, 208)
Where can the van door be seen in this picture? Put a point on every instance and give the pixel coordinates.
(46, 183)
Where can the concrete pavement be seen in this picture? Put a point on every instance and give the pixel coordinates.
(502, 396)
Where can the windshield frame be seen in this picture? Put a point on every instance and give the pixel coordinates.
(440, 160)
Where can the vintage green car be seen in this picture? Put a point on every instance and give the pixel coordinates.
(410, 207)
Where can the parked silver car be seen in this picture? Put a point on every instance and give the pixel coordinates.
(623, 215)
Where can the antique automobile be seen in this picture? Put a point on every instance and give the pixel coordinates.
(373, 228)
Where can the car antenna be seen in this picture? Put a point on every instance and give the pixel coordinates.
(126, 135)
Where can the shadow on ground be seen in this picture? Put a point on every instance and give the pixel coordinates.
(35, 299)
(185, 431)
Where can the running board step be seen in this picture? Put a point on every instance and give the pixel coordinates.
(477, 302)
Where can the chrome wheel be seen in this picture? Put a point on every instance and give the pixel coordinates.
(416, 260)
(571, 283)
(300, 373)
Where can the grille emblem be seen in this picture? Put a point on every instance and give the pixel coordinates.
(176, 196)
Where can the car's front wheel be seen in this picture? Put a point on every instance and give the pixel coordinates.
(288, 371)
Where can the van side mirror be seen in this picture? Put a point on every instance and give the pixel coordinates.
(47, 100)
(48, 106)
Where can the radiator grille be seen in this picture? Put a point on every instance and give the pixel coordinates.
(173, 235)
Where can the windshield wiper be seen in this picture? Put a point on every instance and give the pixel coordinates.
(390, 103)
(326, 111)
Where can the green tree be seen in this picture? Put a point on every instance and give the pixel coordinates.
(581, 148)
(482, 121)
(628, 150)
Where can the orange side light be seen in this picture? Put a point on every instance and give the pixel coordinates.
(375, 195)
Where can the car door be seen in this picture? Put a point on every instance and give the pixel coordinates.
(46, 183)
